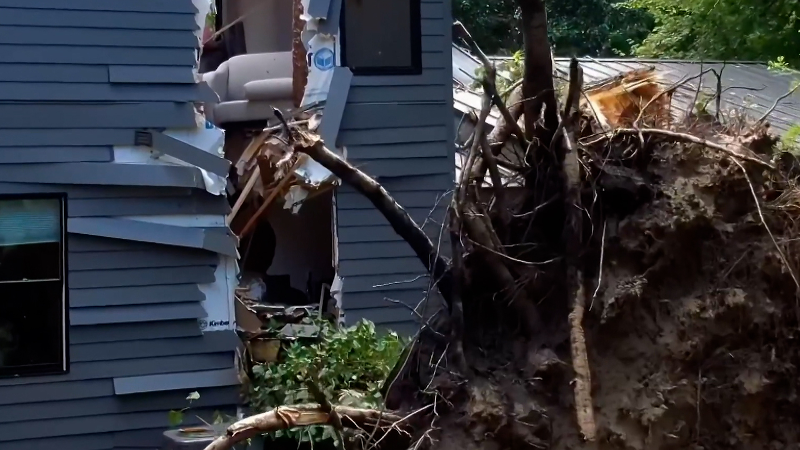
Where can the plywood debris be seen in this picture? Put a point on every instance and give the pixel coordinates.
(619, 102)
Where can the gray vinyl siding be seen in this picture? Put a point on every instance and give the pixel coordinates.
(76, 79)
(398, 129)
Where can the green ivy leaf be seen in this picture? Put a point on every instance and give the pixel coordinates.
(175, 418)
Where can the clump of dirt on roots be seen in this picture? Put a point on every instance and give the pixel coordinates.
(693, 330)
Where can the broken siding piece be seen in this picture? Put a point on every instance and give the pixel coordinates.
(189, 153)
(218, 240)
(334, 105)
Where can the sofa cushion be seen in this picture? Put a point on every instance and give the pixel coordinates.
(267, 90)
(243, 69)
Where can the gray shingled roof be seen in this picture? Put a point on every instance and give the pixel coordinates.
(748, 85)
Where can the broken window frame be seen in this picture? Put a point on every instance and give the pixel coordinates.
(415, 44)
(62, 365)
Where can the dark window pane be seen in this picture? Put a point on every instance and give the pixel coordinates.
(31, 327)
(30, 262)
(379, 34)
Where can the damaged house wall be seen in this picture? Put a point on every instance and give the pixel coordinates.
(399, 129)
(148, 254)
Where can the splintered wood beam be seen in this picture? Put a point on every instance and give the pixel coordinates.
(273, 194)
(254, 177)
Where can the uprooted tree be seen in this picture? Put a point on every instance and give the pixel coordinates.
(632, 287)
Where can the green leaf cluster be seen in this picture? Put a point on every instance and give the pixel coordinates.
(576, 27)
(741, 30)
(349, 365)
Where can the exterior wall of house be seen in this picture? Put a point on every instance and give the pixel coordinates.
(147, 245)
(400, 130)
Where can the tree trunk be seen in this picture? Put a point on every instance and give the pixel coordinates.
(538, 88)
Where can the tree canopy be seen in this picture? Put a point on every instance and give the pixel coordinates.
(723, 29)
(696, 29)
(579, 27)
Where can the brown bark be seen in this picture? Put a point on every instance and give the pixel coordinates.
(285, 417)
(504, 129)
(537, 85)
(299, 66)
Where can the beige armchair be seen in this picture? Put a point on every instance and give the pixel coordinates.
(249, 86)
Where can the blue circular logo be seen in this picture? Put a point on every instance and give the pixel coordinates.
(323, 59)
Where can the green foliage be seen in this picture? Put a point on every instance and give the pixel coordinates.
(349, 366)
(595, 27)
(779, 64)
(493, 23)
(790, 142)
(576, 27)
(176, 416)
(723, 29)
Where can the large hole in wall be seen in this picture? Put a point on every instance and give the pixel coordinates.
(300, 247)
(286, 254)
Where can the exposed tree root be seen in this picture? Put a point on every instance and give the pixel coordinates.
(285, 417)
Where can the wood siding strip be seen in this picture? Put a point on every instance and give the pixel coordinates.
(371, 217)
(134, 331)
(177, 381)
(128, 367)
(29, 155)
(441, 182)
(104, 5)
(96, 19)
(210, 396)
(360, 116)
(210, 342)
(422, 199)
(150, 74)
(137, 56)
(135, 295)
(86, 192)
(163, 257)
(441, 77)
(48, 392)
(53, 73)
(104, 174)
(140, 277)
(147, 206)
(97, 92)
(87, 115)
(82, 425)
(135, 313)
(102, 37)
(382, 233)
(42, 137)
(392, 135)
(361, 300)
(403, 167)
(397, 94)
(384, 284)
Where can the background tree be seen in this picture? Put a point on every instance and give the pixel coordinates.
(576, 27)
(723, 29)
